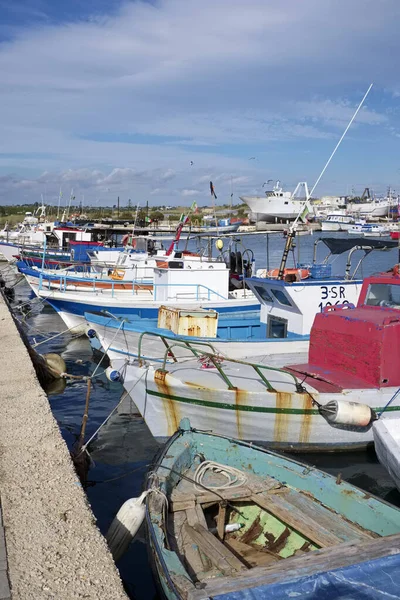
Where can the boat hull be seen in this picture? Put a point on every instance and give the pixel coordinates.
(124, 344)
(387, 446)
(285, 420)
(312, 494)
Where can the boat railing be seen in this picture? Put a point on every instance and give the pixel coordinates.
(213, 356)
(195, 291)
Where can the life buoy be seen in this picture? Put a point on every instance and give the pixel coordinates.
(128, 240)
(118, 274)
(299, 273)
(396, 270)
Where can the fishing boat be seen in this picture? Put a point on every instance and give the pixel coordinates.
(229, 520)
(58, 244)
(189, 282)
(236, 334)
(289, 303)
(288, 308)
(293, 401)
(278, 205)
(387, 445)
(221, 227)
(337, 222)
(374, 230)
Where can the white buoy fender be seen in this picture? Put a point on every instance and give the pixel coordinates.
(112, 374)
(342, 412)
(125, 525)
(55, 364)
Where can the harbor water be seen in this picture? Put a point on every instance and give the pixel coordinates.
(122, 453)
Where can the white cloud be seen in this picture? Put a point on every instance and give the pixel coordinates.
(187, 80)
(186, 193)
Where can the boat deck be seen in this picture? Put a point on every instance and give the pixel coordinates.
(241, 374)
(277, 522)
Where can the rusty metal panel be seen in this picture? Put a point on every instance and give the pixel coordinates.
(192, 323)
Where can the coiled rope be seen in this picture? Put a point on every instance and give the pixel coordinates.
(234, 477)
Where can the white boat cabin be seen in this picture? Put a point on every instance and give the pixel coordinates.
(288, 307)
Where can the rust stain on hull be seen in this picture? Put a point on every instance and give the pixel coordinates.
(281, 427)
(240, 400)
(305, 427)
(171, 408)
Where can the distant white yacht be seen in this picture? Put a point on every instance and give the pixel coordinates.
(337, 222)
(278, 205)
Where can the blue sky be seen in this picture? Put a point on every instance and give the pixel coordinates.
(116, 98)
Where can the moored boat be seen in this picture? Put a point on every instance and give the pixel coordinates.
(337, 222)
(289, 401)
(387, 446)
(226, 519)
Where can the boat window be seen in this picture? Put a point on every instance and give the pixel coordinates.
(383, 294)
(286, 202)
(263, 293)
(277, 327)
(281, 297)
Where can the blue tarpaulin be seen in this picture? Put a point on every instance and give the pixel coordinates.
(377, 579)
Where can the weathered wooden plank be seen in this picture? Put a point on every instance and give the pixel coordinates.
(221, 521)
(308, 564)
(201, 516)
(193, 516)
(188, 551)
(228, 494)
(181, 505)
(328, 519)
(196, 516)
(252, 556)
(219, 555)
(296, 519)
(254, 485)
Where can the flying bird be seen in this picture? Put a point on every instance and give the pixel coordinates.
(267, 182)
(252, 158)
(191, 163)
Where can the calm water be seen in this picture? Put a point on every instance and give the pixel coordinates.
(124, 448)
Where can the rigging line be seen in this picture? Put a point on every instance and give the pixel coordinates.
(107, 349)
(55, 336)
(125, 395)
(389, 403)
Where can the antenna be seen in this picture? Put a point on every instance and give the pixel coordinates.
(292, 232)
(332, 155)
(59, 201)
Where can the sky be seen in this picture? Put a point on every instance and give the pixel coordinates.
(149, 101)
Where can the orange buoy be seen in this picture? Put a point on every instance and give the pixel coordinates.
(298, 273)
(118, 274)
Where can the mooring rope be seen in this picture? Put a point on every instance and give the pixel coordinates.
(389, 403)
(53, 337)
(125, 395)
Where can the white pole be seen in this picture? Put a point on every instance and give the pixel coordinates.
(331, 156)
(59, 202)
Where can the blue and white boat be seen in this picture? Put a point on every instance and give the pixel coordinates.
(326, 399)
(236, 334)
(288, 309)
(188, 282)
(230, 521)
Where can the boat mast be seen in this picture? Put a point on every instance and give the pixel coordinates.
(292, 231)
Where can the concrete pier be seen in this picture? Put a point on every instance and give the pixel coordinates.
(54, 548)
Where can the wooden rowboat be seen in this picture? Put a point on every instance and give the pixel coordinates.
(278, 529)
